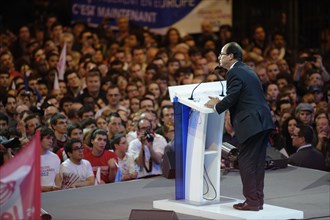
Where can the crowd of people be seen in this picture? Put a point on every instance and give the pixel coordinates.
(110, 118)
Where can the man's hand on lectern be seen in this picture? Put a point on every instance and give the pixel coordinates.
(212, 102)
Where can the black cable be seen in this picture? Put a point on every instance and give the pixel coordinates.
(207, 185)
(215, 191)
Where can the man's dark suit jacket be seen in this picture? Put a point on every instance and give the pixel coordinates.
(308, 157)
(246, 102)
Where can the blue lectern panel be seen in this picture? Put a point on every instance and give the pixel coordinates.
(181, 117)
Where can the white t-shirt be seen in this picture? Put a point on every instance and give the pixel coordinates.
(72, 173)
(127, 165)
(50, 166)
(158, 146)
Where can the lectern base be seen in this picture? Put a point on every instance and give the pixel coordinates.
(225, 210)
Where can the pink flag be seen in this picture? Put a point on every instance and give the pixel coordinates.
(56, 83)
(61, 63)
(98, 177)
(20, 191)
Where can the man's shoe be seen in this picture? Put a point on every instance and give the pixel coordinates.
(246, 207)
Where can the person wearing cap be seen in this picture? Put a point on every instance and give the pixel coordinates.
(304, 112)
(317, 92)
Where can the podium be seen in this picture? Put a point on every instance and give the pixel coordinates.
(198, 140)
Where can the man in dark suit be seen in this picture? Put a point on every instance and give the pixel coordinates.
(252, 121)
(306, 155)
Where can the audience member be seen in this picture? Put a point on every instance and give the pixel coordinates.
(50, 163)
(304, 112)
(101, 158)
(76, 171)
(58, 123)
(126, 162)
(147, 149)
(307, 155)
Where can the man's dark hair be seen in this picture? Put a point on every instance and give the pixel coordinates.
(64, 100)
(29, 117)
(72, 114)
(146, 98)
(46, 131)
(55, 24)
(68, 72)
(306, 131)
(286, 76)
(5, 100)
(4, 117)
(71, 127)
(68, 145)
(112, 115)
(87, 121)
(236, 50)
(116, 140)
(94, 72)
(42, 82)
(55, 117)
(4, 70)
(84, 109)
(98, 131)
(51, 54)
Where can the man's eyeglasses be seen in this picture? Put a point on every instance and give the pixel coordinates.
(77, 148)
(223, 54)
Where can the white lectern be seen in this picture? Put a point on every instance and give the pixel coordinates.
(198, 140)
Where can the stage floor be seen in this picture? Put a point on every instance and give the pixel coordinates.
(294, 188)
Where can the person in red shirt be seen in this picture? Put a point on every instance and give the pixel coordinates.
(98, 156)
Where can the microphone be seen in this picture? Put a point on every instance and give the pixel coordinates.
(216, 70)
(192, 93)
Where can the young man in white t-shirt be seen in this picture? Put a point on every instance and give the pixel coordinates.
(76, 172)
(50, 162)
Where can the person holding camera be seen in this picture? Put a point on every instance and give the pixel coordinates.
(147, 149)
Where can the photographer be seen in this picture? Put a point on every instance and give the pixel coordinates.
(148, 157)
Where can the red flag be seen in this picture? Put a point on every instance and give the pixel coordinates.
(20, 191)
(61, 63)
